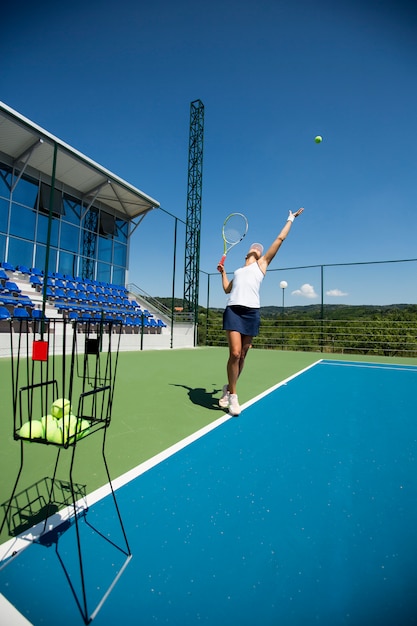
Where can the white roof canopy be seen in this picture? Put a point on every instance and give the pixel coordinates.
(28, 144)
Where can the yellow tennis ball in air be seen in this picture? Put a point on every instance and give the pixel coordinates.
(318, 139)
(31, 430)
(61, 407)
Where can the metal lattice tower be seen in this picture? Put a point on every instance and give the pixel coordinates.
(89, 244)
(194, 195)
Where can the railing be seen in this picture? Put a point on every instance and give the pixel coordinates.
(366, 337)
(158, 306)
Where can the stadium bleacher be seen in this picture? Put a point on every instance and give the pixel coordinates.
(22, 290)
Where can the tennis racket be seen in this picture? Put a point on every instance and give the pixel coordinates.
(234, 230)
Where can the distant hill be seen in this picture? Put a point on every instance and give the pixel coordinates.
(338, 311)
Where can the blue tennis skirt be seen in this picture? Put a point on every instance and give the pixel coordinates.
(243, 319)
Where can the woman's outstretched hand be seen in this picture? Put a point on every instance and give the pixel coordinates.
(296, 214)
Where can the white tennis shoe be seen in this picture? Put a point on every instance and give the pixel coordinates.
(224, 400)
(234, 407)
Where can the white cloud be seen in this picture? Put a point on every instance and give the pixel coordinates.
(305, 291)
(336, 293)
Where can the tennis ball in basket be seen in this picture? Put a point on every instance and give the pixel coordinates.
(48, 424)
(83, 427)
(61, 407)
(68, 424)
(318, 139)
(56, 436)
(31, 430)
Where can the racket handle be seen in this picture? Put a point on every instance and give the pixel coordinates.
(222, 260)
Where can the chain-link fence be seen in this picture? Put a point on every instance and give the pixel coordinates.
(368, 327)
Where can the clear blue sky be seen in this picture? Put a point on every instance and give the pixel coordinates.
(115, 81)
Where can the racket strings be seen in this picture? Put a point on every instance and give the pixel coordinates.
(234, 229)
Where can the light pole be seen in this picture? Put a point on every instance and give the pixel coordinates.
(283, 284)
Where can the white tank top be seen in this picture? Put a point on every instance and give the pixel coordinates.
(246, 285)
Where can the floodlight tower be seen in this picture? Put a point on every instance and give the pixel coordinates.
(193, 222)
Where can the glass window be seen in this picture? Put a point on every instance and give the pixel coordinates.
(5, 182)
(42, 231)
(45, 197)
(103, 272)
(122, 230)
(105, 249)
(72, 210)
(4, 214)
(118, 276)
(26, 192)
(119, 255)
(69, 237)
(2, 247)
(40, 258)
(22, 222)
(67, 263)
(20, 252)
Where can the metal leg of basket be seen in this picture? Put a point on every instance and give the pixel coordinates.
(88, 617)
(9, 504)
(51, 492)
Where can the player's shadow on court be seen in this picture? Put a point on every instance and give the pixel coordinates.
(202, 397)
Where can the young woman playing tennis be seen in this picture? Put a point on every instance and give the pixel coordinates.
(241, 317)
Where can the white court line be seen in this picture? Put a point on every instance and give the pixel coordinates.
(10, 615)
(361, 364)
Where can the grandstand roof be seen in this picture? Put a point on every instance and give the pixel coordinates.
(25, 142)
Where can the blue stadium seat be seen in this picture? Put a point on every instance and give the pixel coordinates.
(4, 313)
(20, 313)
(38, 315)
(7, 299)
(59, 294)
(11, 287)
(7, 266)
(24, 300)
(71, 294)
(34, 280)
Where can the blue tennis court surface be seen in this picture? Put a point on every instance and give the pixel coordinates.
(303, 510)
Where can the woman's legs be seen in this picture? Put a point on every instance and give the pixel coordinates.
(238, 349)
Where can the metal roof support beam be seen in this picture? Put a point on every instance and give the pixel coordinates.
(118, 197)
(26, 157)
(141, 218)
(94, 191)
